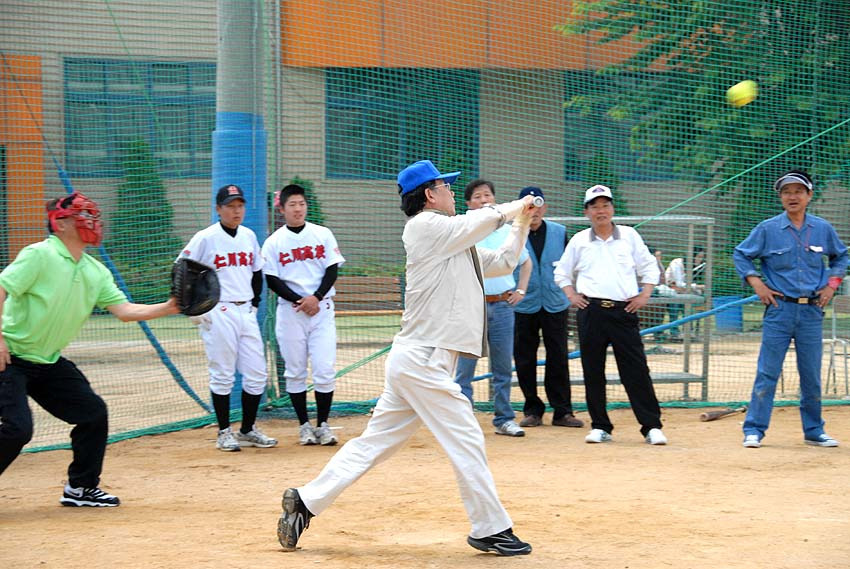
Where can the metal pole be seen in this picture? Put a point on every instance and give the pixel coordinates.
(239, 139)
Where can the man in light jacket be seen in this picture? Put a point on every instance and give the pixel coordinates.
(444, 317)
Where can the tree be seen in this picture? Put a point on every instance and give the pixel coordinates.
(142, 242)
(598, 170)
(691, 51)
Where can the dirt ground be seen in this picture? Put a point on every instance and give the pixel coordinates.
(702, 501)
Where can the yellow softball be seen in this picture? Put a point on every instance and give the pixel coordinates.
(742, 93)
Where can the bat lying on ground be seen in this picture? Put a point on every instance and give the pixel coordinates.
(714, 415)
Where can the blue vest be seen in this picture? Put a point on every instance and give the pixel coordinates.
(542, 291)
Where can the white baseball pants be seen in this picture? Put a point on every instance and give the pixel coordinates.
(301, 337)
(419, 388)
(233, 342)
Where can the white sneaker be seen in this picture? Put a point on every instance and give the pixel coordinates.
(227, 441)
(598, 436)
(510, 429)
(325, 435)
(823, 440)
(752, 441)
(306, 436)
(656, 437)
(255, 438)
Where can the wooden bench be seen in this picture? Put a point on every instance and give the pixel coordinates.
(367, 296)
(684, 378)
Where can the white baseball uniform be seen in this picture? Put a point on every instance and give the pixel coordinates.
(300, 261)
(231, 333)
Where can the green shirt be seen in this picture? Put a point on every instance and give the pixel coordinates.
(49, 298)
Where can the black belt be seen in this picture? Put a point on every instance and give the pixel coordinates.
(606, 303)
(801, 300)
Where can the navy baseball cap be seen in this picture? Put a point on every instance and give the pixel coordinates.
(228, 193)
(420, 172)
(793, 177)
(531, 191)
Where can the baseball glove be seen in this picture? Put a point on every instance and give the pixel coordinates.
(194, 286)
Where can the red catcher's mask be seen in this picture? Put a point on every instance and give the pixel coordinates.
(86, 216)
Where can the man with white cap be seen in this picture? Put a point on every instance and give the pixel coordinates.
(599, 272)
(795, 286)
(444, 316)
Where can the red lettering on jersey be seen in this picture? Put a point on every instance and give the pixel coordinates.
(320, 251)
(251, 258)
(220, 262)
(284, 259)
(231, 260)
(243, 258)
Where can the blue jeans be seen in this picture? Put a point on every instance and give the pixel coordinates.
(675, 311)
(803, 323)
(500, 339)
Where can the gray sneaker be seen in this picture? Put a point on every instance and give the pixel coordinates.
(325, 435)
(306, 435)
(511, 429)
(255, 438)
(227, 441)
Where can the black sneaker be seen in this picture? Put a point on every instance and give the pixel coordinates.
(91, 497)
(293, 521)
(503, 543)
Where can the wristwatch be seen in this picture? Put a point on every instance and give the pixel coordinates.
(520, 291)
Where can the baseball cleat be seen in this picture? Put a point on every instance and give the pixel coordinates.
(752, 441)
(293, 521)
(91, 497)
(502, 543)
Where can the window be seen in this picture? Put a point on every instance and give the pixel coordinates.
(380, 120)
(110, 104)
(590, 134)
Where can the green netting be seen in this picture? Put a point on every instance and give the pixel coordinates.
(118, 99)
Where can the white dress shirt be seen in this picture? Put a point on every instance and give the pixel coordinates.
(607, 268)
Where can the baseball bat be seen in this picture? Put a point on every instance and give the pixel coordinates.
(537, 201)
(714, 415)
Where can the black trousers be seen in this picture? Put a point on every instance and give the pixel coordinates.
(64, 392)
(598, 327)
(556, 379)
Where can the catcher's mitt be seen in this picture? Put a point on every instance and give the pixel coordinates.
(194, 286)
